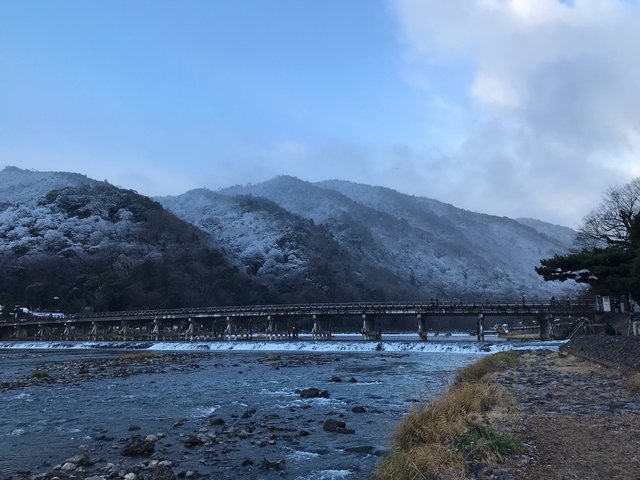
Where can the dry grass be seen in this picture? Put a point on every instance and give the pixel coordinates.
(445, 417)
(482, 368)
(435, 441)
(127, 357)
(634, 382)
(429, 461)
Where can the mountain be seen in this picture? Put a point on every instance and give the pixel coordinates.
(28, 186)
(565, 235)
(437, 250)
(93, 245)
(297, 258)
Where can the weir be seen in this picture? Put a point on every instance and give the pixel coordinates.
(274, 322)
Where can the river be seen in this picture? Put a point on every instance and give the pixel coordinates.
(252, 386)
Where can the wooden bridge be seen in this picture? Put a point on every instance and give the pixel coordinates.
(272, 322)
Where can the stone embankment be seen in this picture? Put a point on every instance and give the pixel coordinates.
(618, 352)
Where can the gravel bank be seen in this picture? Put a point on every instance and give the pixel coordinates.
(576, 419)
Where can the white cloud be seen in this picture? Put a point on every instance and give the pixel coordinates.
(554, 85)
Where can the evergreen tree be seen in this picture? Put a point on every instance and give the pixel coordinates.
(608, 255)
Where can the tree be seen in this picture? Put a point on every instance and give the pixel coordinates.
(612, 222)
(608, 259)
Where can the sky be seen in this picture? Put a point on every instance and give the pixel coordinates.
(521, 108)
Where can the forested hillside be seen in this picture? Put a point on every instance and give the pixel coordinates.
(100, 247)
(70, 242)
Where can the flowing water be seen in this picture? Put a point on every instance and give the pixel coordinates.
(42, 425)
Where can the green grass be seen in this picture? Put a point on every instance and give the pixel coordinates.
(480, 442)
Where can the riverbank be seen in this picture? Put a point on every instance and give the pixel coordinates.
(573, 414)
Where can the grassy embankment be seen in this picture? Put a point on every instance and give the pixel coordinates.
(439, 440)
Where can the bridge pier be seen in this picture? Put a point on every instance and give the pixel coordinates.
(188, 333)
(93, 332)
(236, 330)
(16, 334)
(321, 328)
(155, 331)
(422, 326)
(545, 326)
(480, 326)
(370, 329)
(124, 329)
(66, 333)
(278, 328)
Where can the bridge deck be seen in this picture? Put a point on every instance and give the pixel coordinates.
(320, 309)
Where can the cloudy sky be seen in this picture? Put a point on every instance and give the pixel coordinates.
(510, 107)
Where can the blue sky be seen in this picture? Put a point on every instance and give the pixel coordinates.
(510, 107)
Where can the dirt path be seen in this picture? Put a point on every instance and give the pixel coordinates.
(576, 420)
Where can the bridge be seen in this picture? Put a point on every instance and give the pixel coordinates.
(273, 322)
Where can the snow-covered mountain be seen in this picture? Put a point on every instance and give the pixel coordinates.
(297, 258)
(92, 245)
(63, 235)
(417, 246)
(28, 186)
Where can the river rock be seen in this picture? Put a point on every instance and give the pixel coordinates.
(314, 393)
(248, 413)
(337, 426)
(364, 449)
(162, 473)
(151, 438)
(192, 441)
(137, 447)
(331, 425)
(68, 467)
(80, 459)
(130, 476)
(216, 421)
(359, 409)
(267, 465)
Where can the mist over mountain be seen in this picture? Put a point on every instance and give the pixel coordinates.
(92, 245)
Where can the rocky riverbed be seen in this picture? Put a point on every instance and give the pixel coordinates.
(204, 415)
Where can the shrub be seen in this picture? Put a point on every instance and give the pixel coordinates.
(39, 373)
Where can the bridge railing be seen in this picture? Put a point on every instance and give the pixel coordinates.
(351, 307)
